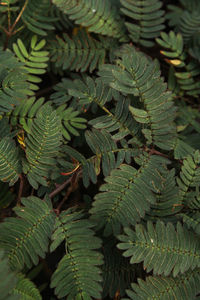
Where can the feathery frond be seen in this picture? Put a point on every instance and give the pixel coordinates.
(80, 53)
(6, 286)
(182, 287)
(34, 60)
(42, 145)
(107, 156)
(127, 194)
(26, 289)
(78, 273)
(26, 113)
(189, 178)
(13, 81)
(147, 20)
(168, 201)
(185, 19)
(99, 17)
(10, 161)
(192, 220)
(117, 272)
(26, 237)
(99, 116)
(177, 58)
(120, 121)
(135, 74)
(61, 20)
(161, 248)
(36, 18)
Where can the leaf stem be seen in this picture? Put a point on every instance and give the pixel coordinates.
(59, 188)
(21, 185)
(10, 32)
(19, 16)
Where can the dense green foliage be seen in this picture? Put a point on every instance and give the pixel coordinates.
(99, 149)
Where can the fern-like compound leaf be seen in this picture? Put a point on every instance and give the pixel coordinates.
(9, 5)
(182, 149)
(174, 12)
(176, 56)
(192, 220)
(168, 201)
(120, 121)
(36, 18)
(182, 287)
(26, 237)
(79, 53)
(60, 94)
(186, 20)
(26, 113)
(189, 178)
(116, 270)
(6, 286)
(147, 20)
(70, 121)
(35, 60)
(98, 16)
(14, 84)
(90, 90)
(61, 20)
(127, 194)
(162, 248)
(136, 75)
(42, 145)
(10, 162)
(78, 274)
(107, 156)
(25, 289)
(105, 148)
(174, 43)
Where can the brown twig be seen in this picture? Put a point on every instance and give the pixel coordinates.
(73, 186)
(153, 151)
(59, 188)
(32, 191)
(44, 91)
(69, 191)
(65, 183)
(21, 185)
(19, 16)
(10, 32)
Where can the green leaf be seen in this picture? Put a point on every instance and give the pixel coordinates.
(157, 110)
(127, 194)
(145, 20)
(92, 15)
(10, 164)
(161, 248)
(26, 237)
(8, 279)
(42, 145)
(13, 80)
(183, 287)
(78, 274)
(36, 18)
(140, 115)
(34, 60)
(26, 289)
